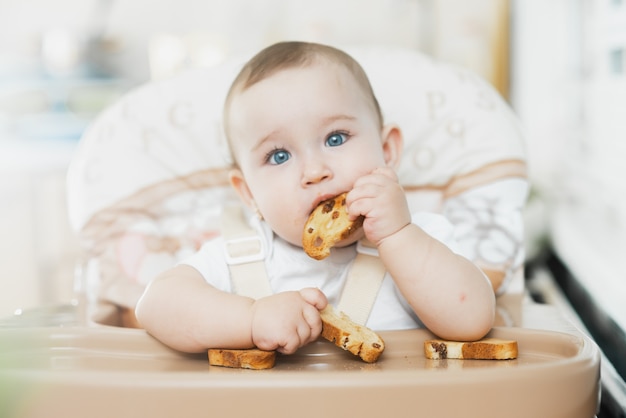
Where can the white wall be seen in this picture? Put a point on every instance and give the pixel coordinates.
(38, 251)
(572, 102)
(570, 91)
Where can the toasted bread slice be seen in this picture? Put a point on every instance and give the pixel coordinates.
(485, 349)
(359, 340)
(336, 327)
(328, 224)
(243, 359)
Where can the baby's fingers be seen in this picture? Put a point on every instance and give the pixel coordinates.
(302, 335)
(314, 323)
(314, 297)
(380, 176)
(290, 346)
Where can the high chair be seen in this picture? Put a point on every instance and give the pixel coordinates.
(149, 179)
(147, 187)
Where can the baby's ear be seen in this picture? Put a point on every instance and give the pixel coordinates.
(393, 144)
(238, 182)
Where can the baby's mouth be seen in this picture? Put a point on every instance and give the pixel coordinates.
(329, 225)
(324, 199)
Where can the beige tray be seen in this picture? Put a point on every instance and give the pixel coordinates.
(114, 372)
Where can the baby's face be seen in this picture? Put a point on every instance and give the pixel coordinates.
(299, 137)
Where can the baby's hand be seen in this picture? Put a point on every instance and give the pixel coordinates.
(379, 197)
(287, 321)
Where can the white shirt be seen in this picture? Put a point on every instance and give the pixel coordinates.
(290, 268)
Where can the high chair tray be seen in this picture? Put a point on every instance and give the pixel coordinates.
(114, 372)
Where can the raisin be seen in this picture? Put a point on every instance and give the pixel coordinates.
(441, 349)
(328, 206)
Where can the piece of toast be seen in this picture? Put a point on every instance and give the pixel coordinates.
(357, 339)
(252, 358)
(328, 224)
(336, 327)
(485, 349)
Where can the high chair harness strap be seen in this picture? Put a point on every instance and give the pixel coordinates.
(245, 254)
(362, 284)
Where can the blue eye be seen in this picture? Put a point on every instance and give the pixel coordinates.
(277, 156)
(336, 138)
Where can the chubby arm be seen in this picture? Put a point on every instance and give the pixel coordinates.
(183, 311)
(450, 294)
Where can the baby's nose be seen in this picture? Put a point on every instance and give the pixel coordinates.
(315, 172)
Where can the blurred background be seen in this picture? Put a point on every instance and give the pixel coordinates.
(561, 64)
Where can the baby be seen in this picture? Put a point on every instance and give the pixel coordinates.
(304, 125)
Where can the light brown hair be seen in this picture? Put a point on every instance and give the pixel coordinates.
(293, 54)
